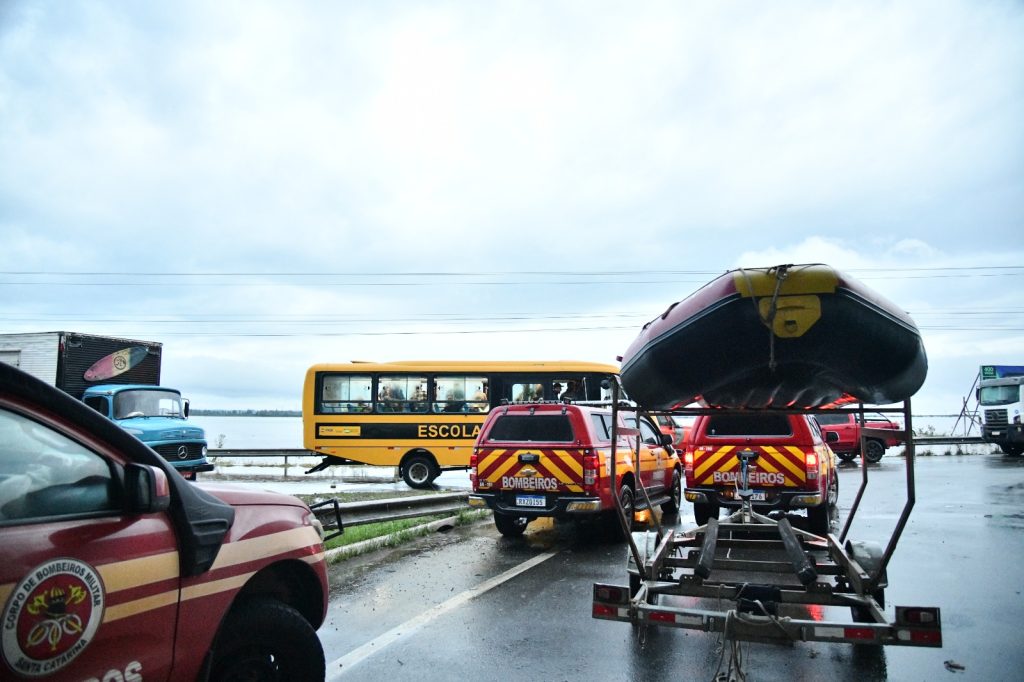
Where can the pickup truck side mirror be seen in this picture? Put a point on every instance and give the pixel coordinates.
(147, 490)
(184, 408)
(831, 436)
(666, 440)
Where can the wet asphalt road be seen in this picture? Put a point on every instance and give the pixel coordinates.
(445, 607)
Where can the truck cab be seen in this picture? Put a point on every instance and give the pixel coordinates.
(1001, 400)
(157, 416)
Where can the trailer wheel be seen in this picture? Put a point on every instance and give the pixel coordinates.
(873, 450)
(863, 615)
(510, 526)
(264, 639)
(418, 471)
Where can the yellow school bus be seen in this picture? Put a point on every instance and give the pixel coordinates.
(423, 417)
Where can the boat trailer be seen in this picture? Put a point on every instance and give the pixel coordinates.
(759, 563)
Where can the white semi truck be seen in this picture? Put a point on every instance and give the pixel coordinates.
(1000, 399)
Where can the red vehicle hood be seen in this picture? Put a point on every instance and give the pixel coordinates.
(238, 496)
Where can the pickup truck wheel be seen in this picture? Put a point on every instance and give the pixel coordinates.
(846, 456)
(702, 511)
(818, 519)
(611, 521)
(675, 494)
(832, 494)
(264, 639)
(873, 450)
(418, 472)
(510, 526)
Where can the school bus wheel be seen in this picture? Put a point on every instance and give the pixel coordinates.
(419, 470)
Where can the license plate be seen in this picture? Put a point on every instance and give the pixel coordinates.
(758, 496)
(530, 501)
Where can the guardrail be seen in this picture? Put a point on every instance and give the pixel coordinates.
(336, 516)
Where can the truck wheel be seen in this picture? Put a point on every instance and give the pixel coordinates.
(675, 495)
(264, 639)
(874, 451)
(510, 526)
(418, 471)
(1012, 450)
(702, 511)
(846, 456)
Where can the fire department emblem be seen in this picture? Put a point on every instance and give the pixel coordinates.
(51, 617)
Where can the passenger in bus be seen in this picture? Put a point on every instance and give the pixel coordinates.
(457, 402)
(574, 391)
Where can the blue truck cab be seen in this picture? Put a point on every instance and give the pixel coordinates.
(158, 416)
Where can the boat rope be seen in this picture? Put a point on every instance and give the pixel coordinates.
(781, 272)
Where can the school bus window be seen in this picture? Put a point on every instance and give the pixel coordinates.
(401, 393)
(524, 393)
(346, 393)
(460, 394)
(569, 389)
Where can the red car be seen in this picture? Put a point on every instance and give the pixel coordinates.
(847, 426)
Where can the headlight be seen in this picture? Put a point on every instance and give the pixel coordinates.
(312, 520)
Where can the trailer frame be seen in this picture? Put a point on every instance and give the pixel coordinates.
(792, 567)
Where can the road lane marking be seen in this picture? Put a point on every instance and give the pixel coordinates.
(350, 660)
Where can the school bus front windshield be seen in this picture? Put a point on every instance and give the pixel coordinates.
(423, 417)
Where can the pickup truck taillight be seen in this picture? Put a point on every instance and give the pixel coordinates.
(591, 469)
(473, 458)
(811, 461)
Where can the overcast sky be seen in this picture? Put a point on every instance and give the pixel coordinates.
(261, 186)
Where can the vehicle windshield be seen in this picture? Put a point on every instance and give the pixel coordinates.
(147, 403)
(999, 395)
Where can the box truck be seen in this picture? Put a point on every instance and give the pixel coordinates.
(120, 378)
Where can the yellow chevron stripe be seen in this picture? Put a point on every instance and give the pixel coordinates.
(710, 462)
(502, 469)
(782, 463)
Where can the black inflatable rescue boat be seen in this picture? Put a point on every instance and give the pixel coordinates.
(787, 336)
